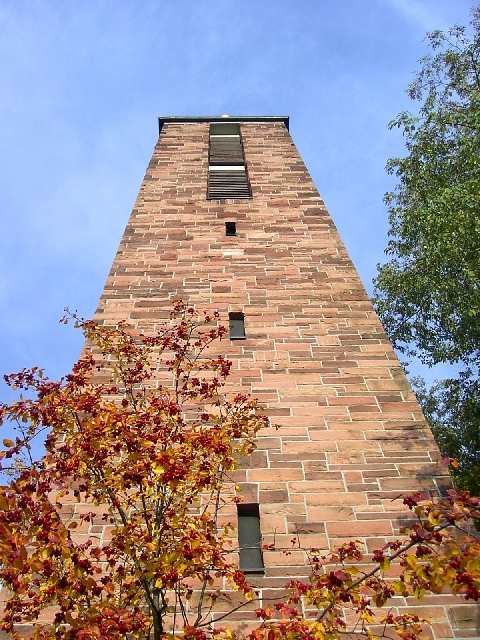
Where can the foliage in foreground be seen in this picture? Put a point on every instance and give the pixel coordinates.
(428, 293)
(142, 438)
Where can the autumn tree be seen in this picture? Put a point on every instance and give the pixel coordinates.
(118, 530)
(428, 293)
(140, 433)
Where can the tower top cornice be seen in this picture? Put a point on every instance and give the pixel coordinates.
(223, 118)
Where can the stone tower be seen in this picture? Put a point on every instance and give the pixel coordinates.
(305, 338)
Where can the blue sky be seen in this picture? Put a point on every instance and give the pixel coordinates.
(82, 84)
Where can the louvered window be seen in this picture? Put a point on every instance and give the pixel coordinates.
(227, 182)
(226, 150)
(227, 173)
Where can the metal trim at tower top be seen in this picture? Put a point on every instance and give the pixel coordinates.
(188, 119)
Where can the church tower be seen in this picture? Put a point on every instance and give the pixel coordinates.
(228, 218)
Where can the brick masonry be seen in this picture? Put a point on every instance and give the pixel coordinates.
(351, 437)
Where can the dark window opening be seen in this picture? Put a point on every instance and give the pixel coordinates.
(237, 326)
(250, 538)
(230, 228)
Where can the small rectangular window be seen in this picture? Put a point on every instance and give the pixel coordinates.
(250, 538)
(237, 326)
(230, 228)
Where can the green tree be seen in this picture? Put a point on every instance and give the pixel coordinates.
(452, 408)
(428, 293)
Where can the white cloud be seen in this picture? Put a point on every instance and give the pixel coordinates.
(424, 15)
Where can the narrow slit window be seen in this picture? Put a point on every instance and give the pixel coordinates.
(236, 323)
(250, 538)
(230, 228)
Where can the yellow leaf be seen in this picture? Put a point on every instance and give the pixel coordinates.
(158, 583)
(7, 442)
(411, 561)
(367, 617)
(157, 468)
